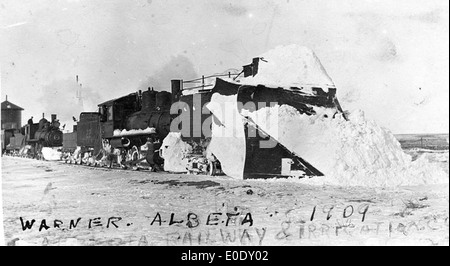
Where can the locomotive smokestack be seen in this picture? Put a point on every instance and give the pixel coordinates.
(255, 66)
(53, 118)
(43, 115)
(177, 87)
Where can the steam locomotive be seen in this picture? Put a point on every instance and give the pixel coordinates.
(35, 136)
(120, 128)
(129, 131)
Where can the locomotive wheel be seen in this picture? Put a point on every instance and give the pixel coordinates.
(128, 156)
(211, 168)
(134, 153)
(119, 159)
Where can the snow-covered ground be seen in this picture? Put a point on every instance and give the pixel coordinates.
(373, 193)
(114, 207)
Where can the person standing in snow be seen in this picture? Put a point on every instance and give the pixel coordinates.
(150, 157)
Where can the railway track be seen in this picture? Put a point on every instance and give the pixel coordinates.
(114, 167)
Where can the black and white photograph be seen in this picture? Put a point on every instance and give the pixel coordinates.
(224, 123)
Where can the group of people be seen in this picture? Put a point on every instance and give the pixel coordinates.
(148, 152)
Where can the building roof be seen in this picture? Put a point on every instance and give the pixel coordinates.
(110, 102)
(6, 105)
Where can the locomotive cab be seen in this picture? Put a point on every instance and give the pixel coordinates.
(105, 113)
(114, 113)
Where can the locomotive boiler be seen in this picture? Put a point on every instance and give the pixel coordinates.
(48, 133)
(151, 117)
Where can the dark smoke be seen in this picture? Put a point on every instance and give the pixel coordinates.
(179, 67)
(60, 96)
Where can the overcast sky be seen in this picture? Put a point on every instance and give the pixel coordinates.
(388, 58)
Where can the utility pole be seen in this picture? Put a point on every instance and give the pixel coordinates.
(79, 94)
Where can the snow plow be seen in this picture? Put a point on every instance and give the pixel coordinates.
(264, 154)
(243, 137)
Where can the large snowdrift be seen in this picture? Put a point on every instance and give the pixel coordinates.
(290, 66)
(357, 152)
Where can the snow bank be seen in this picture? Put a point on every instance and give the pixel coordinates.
(433, 157)
(174, 151)
(121, 133)
(290, 66)
(51, 154)
(350, 153)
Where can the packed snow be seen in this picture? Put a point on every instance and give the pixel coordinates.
(357, 152)
(174, 151)
(290, 66)
(124, 132)
(51, 154)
